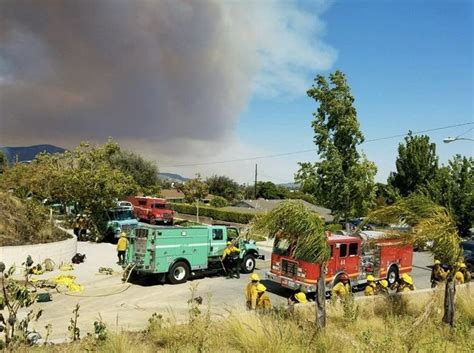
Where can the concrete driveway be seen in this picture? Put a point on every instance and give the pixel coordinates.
(128, 306)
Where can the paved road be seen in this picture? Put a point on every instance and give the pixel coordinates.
(129, 306)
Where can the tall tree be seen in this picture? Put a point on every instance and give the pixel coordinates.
(144, 172)
(453, 187)
(270, 191)
(223, 186)
(295, 222)
(416, 165)
(386, 194)
(194, 190)
(343, 180)
(428, 222)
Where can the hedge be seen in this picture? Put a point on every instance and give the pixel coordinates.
(214, 213)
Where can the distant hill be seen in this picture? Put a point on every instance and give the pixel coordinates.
(25, 154)
(173, 177)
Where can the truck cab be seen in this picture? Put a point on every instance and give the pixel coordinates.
(181, 252)
(152, 210)
(119, 219)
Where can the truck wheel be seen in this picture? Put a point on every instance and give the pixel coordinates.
(392, 275)
(248, 264)
(179, 273)
(109, 236)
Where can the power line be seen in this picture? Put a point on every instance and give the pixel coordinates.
(308, 150)
(464, 133)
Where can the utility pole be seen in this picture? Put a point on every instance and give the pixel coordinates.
(255, 186)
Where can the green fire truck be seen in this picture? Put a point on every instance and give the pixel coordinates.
(178, 253)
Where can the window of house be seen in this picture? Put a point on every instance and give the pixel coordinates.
(343, 250)
(353, 249)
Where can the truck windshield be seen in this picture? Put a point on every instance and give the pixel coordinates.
(159, 205)
(121, 215)
(281, 247)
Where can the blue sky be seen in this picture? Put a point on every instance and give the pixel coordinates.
(410, 67)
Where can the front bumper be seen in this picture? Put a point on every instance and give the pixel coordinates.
(290, 283)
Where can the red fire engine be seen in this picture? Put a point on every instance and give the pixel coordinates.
(369, 252)
(151, 209)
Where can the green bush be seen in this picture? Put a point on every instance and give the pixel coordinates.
(219, 202)
(214, 213)
(333, 227)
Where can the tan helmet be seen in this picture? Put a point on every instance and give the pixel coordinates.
(437, 262)
(261, 288)
(370, 278)
(384, 283)
(123, 234)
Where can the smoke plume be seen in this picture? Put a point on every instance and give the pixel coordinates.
(165, 74)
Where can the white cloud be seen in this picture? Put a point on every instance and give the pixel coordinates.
(285, 41)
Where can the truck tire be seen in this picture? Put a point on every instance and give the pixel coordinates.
(110, 236)
(248, 263)
(179, 273)
(392, 275)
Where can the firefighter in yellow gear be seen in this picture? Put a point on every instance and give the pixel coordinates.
(263, 300)
(370, 287)
(459, 277)
(438, 274)
(466, 273)
(405, 284)
(382, 287)
(343, 288)
(298, 298)
(251, 292)
(230, 259)
(122, 246)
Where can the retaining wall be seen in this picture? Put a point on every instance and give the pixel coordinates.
(61, 251)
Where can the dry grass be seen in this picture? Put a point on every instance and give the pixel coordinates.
(25, 222)
(391, 325)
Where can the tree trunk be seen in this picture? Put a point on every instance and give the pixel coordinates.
(449, 309)
(321, 300)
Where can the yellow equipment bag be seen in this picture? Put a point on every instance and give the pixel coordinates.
(66, 267)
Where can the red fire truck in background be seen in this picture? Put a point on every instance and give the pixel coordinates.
(369, 252)
(151, 209)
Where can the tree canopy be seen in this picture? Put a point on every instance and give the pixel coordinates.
(428, 221)
(417, 164)
(194, 189)
(144, 172)
(220, 185)
(453, 187)
(84, 177)
(343, 179)
(3, 162)
(295, 222)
